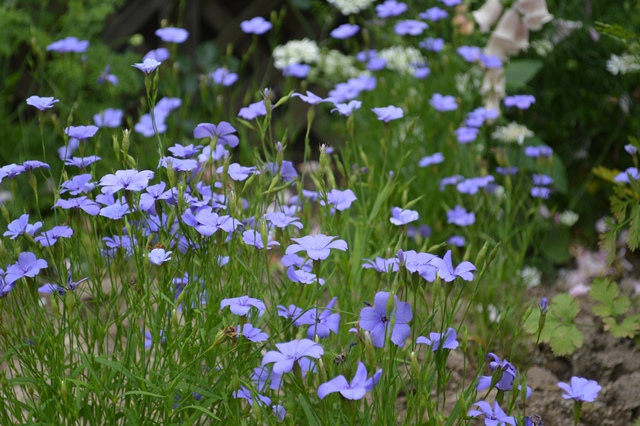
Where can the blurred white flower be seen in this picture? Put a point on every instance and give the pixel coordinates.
(349, 7)
(531, 276)
(402, 59)
(568, 218)
(303, 51)
(512, 133)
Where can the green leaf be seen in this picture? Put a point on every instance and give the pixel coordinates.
(615, 31)
(555, 247)
(626, 328)
(519, 72)
(311, 417)
(565, 339)
(560, 330)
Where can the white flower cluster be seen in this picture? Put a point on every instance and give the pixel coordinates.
(568, 218)
(349, 7)
(564, 29)
(623, 64)
(512, 132)
(303, 51)
(542, 47)
(334, 66)
(402, 59)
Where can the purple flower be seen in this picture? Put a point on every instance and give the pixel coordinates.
(172, 34)
(41, 103)
(222, 133)
(345, 31)
(478, 116)
(451, 3)
(257, 25)
(160, 54)
(30, 165)
(253, 237)
(89, 206)
(581, 389)
(115, 211)
(376, 321)
(491, 61)
(241, 305)
(21, 226)
(443, 103)
(418, 262)
(493, 417)
(109, 118)
(61, 290)
(519, 101)
(311, 98)
(4, 287)
(158, 256)
(390, 8)
(544, 180)
(296, 70)
(456, 240)
(448, 273)
(291, 313)
(237, 172)
(466, 134)
(251, 333)
(472, 185)
(509, 374)
(341, 200)
(355, 390)
(631, 149)
(291, 352)
(254, 110)
(80, 132)
(281, 220)
(287, 171)
(244, 393)
(303, 276)
(223, 77)
(322, 324)
(69, 44)
(435, 339)
(49, 238)
(388, 113)
(432, 44)
(28, 266)
(82, 162)
(459, 216)
(543, 306)
(129, 180)
(422, 73)
(105, 76)
(318, 247)
(402, 217)
(433, 14)
(538, 151)
(347, 109)
(382, 265)
(410, 27)
(148, 65)
(507, 171)
(430, 160)
(469, 53)
(540, 192)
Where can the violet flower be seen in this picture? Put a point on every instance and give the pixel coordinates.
(253, 237)
(187, 151)
(78, 185)
(84, 203)
(540, 192)
(580, 389)
(341, 200)
(110, 117)
(68, 44)
(21, 226)
(410, 27)
(345, 31)
(377, 322)
(382, 265)
(160, 54)
(520, 101)
(129, 180)
(347, 108)
(5, 288)
(459, 216)
(61, 290)
(493, 416)
(147, 66)
(390, 8)
(318, 247)
(469, 53)
(430, 160)
(311, 98)
(254, 110)
(355, 390)
(158, 256)
(388, 113)
(251, 333)
(296, 70)
(291, 313)
(443, 103)
(80, 132)
(433, 14)
(281, 220)
(446, 271)
(257, 25)
(466, 134)
(542, 180)
(42, 103)
(432, 44)
(321, 324)
(401, 217)
(446, 339)
(223, 77)
(538, 151)
(82, 162)
(172, 35)
(27, 266)
(241, 305)
(237, 172)
(291, 352)
(49, 238)
(223, 133)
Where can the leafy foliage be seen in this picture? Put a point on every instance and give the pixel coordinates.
(610, 306)
(560, 330)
